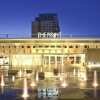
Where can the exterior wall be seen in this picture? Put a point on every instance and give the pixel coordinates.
(64, 54)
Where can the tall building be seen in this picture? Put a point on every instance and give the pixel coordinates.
(46, 22)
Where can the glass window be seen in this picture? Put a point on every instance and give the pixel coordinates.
(78, 59)
(77, 46)
(52, 46)
(65, 46)
(86, 46)
(34, 46)
(70, 46)
(40, 46)
(71, 59)
(28, 46)
(46, 46)
(22, 46)
(58, 46)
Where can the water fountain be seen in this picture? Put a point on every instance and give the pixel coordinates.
(37, 77)
(64, 84)
(95, 82)
(78, 73)
(74, 72)
(2, 81)
(61, 78)
(33, 84)
(13, 78)
(25, 94)
(20, 73)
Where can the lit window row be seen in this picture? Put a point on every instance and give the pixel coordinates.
(52, 46)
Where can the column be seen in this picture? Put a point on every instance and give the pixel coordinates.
(44, 65)
(55, 61)
(62, 64)
(49, 62)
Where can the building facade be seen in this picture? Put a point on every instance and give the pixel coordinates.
(46, 22)
(64, 54)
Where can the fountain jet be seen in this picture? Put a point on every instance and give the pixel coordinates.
(74, 72)
(95, 82)
(2, 81)
(25, 88)
(33, 84)
(64, 84)
(20, 73)
(13, 78)
(37, 76)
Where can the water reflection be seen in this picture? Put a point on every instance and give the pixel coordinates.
(67, 87)
(2, 89)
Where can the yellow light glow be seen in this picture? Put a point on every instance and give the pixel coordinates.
(33, 84)
(26, 60)
(95, 84)
(64, 84)
(61, 78)
(46, 51)
(59, 51)
(2, 81)
(13, 78)
(25, 95)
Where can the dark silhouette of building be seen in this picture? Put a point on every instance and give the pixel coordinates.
(46, 22)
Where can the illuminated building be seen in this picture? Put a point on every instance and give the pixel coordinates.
(63, 54)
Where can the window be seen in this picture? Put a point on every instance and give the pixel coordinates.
(70, 46)
(77, 46)
(58, 59)
(52, 59)
(78, 59)
(40, 46)
(71, 59)
(22, 46)
(52, 46)
(58, 46)
(86, 46)
(34, 46)
(46, 46)
(28, 46)
(65, 46)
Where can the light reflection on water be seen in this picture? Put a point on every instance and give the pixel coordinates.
(15, 94)
(11, 93)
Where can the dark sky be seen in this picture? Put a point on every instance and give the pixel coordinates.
(75, 16)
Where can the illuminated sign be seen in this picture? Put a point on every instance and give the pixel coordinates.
(48, 35)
